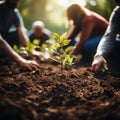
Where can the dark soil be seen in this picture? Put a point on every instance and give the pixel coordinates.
(46, 94)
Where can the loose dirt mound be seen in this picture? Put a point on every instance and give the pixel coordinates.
(75, 95)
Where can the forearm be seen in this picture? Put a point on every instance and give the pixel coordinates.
(105, 46)
(73, 32)
(23, 36)
(9, 52)
(107, 42)
(85, 35)
(77, 49)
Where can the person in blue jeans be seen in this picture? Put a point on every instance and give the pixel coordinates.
(10, 19)
(87, 26)
(109, 46)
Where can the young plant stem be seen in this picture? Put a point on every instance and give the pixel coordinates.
(61, 66)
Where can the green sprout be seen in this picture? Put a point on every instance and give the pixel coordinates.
(20, 50)
(30, 47)
(61, 50)
(47, 47)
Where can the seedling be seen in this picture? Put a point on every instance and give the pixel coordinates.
(30, 47)
(61, 51)
(20, 50)
(47, 47)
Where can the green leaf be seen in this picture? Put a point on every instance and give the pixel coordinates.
(36, 42)
(56, 36)
(66, 42)
(15, 47)
(51, 42)
(57, 45)
(64, 61)
(54, 58)
(60, 51)
(32, 47)
(68, 49)
(69, 60)
(43, 47)
(63, 37)
(29, 43)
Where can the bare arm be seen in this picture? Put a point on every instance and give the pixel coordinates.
(73, 32)
(18, 21)
(22, 36)
(9, 52)
(85, 35)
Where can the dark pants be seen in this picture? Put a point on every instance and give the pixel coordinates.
(115, 53)
(113, 59)
(90, 46)
(11, 38)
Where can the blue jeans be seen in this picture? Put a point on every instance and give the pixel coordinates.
(90, 46)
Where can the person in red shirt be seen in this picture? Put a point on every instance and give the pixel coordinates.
(87, 26)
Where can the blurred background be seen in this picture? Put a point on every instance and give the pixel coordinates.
(52, 12)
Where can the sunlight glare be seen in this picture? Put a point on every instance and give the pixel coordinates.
(67, 2)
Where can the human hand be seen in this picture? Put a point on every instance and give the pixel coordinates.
(29, 64)
(99, 63)
(74, 52)
(40, 55)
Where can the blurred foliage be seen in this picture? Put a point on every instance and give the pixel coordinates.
(55, 16)
(102, 7)
(52, 12)
(46, 10)
(32, 10)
